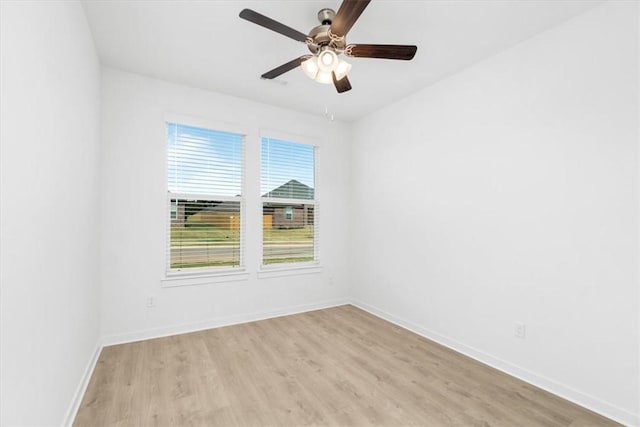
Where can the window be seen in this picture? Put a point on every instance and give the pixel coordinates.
(289, 231)
(204, 199)
(174, 209)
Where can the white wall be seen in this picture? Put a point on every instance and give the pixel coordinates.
(509, 193)
(49, 102)
(134, 219)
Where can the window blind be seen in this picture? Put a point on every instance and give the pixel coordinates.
(289, 207)
(204, 198)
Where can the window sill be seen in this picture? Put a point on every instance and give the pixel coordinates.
(190, 279)
(267, 272)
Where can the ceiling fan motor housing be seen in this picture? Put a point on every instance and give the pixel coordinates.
(320, 35)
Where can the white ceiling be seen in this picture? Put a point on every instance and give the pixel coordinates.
(205, 44)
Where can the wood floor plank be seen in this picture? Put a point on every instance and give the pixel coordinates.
(338, 366)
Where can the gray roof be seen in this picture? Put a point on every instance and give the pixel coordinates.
(293, 189)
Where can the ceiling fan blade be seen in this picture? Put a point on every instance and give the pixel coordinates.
(285, 67)
(384, 51)
(265, 21)
(341, 85)
(347, 15)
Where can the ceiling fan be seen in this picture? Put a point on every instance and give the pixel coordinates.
(326, 42)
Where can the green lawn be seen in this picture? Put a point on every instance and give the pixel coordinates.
(293, 234)
(292, 259)
(205, 235)
(202, 236)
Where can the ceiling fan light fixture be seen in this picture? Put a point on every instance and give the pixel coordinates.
(314, 71)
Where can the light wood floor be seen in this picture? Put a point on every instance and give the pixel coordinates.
(339, 366)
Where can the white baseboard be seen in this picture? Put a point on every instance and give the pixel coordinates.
(218, 322)
(592, 403)
(82, 387)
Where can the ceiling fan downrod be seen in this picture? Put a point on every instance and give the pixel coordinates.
(325, 16)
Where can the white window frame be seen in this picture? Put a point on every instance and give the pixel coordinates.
(288, 213)
(293, 268)
(205, 275)
(173, 212)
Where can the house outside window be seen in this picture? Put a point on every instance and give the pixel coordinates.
(288, 181)
(205, 202)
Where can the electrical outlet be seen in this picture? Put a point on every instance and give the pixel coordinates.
(521, 330)
(151, 302)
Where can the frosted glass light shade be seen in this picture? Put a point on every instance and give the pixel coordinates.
(342, 69)
(310, 67)
(327, 60)
(324, 77)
